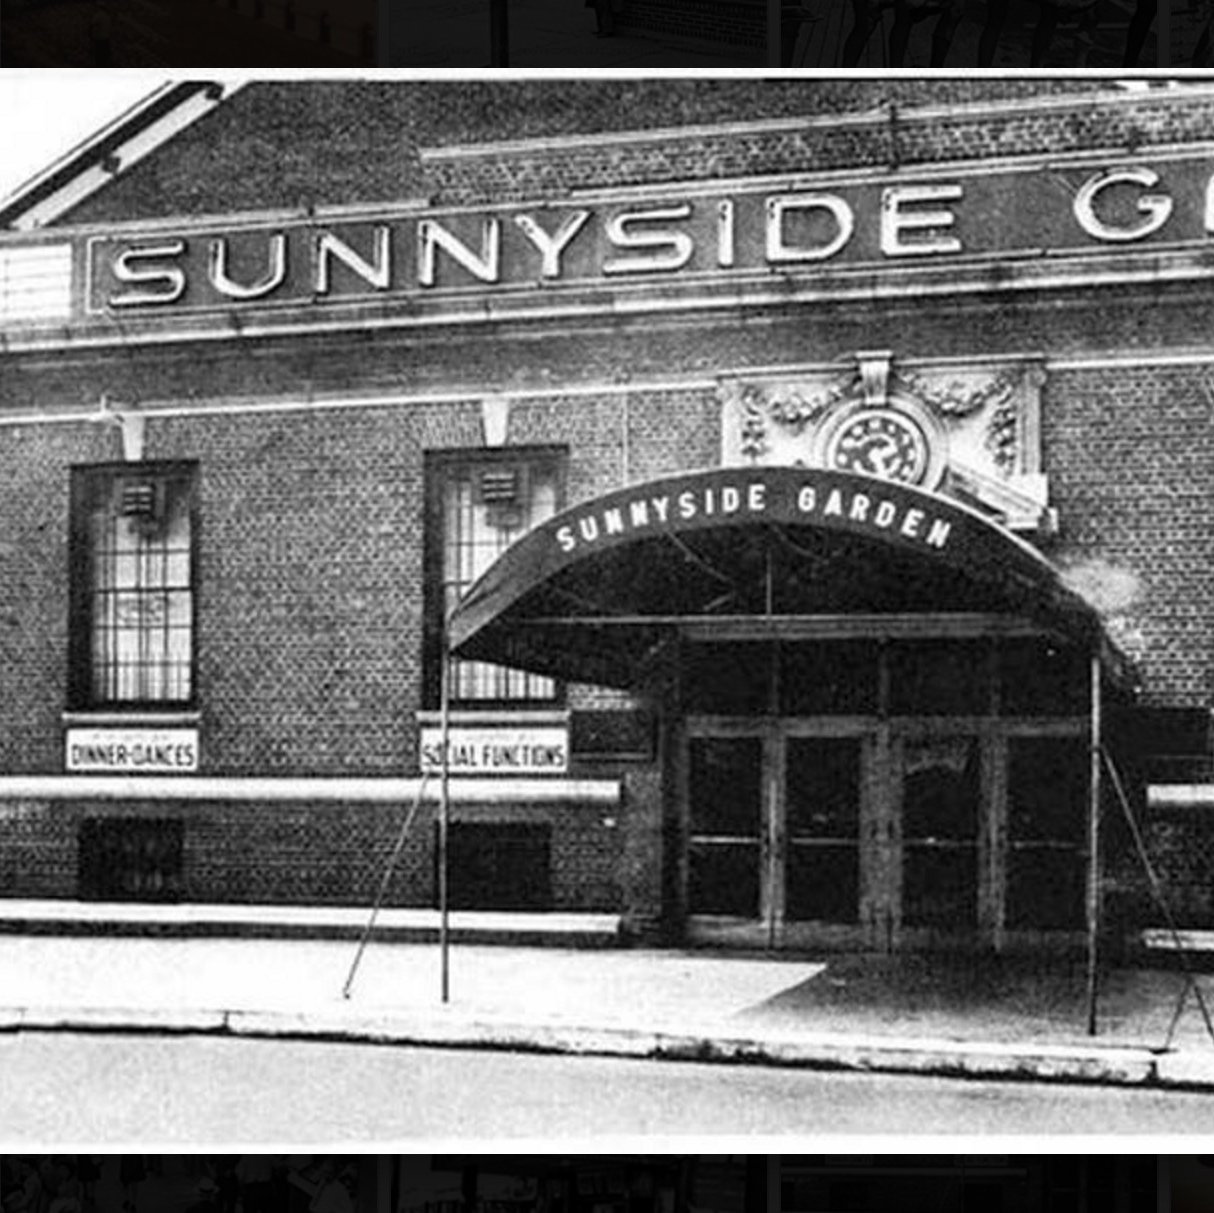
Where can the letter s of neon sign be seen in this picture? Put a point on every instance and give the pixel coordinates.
(145, 267)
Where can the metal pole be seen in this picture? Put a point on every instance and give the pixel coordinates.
(444, 816)
(1093, 890)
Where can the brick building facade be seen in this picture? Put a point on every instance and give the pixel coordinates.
(276, 394)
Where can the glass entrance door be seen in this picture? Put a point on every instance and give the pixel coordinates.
(820, 869)
(941, 799)
(726, 819)
(809, 831)
(774, 831)
(1047, 858)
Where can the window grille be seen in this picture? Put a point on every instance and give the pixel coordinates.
(137, 600)
(484, 506)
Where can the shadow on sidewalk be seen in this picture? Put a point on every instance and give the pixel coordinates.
(989, 998)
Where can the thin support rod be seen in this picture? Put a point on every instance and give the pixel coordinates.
(444, 821)
(1093, 889)
(383, 885)
(695, 558)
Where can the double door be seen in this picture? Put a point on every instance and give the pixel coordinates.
(776, 823)
(803, 832)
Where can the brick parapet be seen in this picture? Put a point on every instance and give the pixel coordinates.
(296, 146)
(890, 137)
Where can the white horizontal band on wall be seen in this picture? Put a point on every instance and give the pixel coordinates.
(463, 790)
(878, 117)
(1180, 796)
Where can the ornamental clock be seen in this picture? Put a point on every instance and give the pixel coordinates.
(880, 442)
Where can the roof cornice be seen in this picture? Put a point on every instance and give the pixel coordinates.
(95, 162)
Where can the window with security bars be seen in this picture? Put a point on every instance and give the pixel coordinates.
(132, 585)
(479, 504)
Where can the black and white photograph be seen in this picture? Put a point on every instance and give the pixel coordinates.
(590, 607)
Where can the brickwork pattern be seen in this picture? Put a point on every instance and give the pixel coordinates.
(309, 565)
(481, 112)
(310, 539)
(1127, 320)
(1132, 450)
(33, 587)
(37, 850)
(1182, 852)
(889, 140)
(277, 145)
(305, 853)
(309, 631)
(310, 575)
(311, 520)
(259, 150)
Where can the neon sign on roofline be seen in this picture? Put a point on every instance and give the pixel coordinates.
(999, 215)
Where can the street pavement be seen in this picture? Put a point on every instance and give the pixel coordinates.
(269, 976)
(216, 1092)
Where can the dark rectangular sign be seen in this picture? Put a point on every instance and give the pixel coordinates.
(795, 226)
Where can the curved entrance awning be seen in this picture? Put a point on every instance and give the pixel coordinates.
(593, 594)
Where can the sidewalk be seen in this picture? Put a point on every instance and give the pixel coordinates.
(916, 1014)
